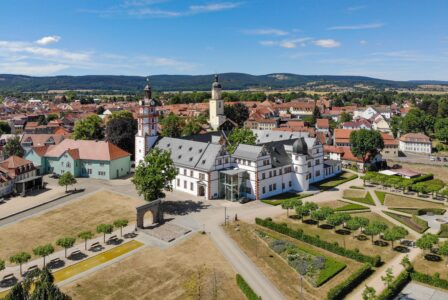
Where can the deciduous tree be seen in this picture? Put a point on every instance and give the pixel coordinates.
(90, 128)
(66, 243)
(104, 229)
(240, 136)
(366, 142)
(13, 148)
(154, 175)
(66, 179)
(20, 259)
(43, 251)
(85, 235)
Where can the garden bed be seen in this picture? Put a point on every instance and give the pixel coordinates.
(279, 199)
(352, 207)
(316, 268)
(359, 196)
(408, 221)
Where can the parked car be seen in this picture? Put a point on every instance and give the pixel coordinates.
(244, 200)
(55, 175)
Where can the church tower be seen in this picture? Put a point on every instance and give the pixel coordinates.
(148, 120)
(216, 106)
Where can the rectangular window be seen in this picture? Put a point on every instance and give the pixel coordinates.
(178, 182)
(226, 160)
(290, 184)
(270, 174)
(219, 161)
(270, 187)
(283, 185)
(185, 172)
(274, 186)
(191, 174)
(185, 184)
(309, 164)
(317, 173)
(177, 170)
(280, 171)
(201, 176)
(263, 176)
(264, 190)
(191, 186)
(275, 173)
(317, 162)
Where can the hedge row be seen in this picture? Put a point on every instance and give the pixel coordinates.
(420, 222)
(436, 211)
(315, 241)
(422, 178)
(345, 287)
(246, 289)
(396, 287)
(431, 280)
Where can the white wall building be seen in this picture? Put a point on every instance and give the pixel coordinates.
(280, 162)
(415, 142)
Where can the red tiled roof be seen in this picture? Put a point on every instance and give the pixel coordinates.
(415, 137)
(89, 150)
(323, 123)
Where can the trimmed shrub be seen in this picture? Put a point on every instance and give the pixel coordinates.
(345, 287)
(396, 286)
(431, 280)
(315, 241)
(246, 289)
(422, 178)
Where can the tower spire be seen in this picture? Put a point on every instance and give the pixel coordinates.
(148, 89)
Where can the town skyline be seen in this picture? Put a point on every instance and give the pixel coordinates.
(380, 40)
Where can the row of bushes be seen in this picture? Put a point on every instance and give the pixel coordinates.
(421, 178)
(395, 287)
(348, 285)
(315, 241)
(431, 280)
(246, 289)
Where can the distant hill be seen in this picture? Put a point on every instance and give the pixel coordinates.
(230, 81)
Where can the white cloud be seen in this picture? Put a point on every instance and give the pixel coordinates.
(357, 27)
(327, 43)
(142, 8)
(363, 42)
(42, 52)
(32, 69)
(288, 43)
(268, 31)
(214, 7)
(47, 40)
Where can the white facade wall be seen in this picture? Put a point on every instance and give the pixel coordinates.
(424, 148)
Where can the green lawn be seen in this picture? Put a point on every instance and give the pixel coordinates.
(278, 199)
(352, 206)
(381, 196)
(357, 187)
(335, 181)
(392, 200)
(359, 196)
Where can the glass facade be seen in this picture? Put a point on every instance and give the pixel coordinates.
(232, 184)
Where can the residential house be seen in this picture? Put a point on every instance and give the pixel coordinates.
(92, 159)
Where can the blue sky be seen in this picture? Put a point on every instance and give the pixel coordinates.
(392, 39)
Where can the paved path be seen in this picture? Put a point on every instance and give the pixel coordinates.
(375, 279)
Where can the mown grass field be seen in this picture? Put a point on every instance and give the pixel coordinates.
(67, 220)
(154, 273)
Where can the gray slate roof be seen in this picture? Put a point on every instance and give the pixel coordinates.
(267, 136)
(247, 151)
(191, 154)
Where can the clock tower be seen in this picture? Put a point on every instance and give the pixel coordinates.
(148, 120)
(216, 106)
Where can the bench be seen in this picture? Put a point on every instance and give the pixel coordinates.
(94, 245)
(8, 277)
(55, 260)
(114, 237)
(32, 268)
(75, 253)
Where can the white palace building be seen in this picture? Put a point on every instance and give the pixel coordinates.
(280, 161)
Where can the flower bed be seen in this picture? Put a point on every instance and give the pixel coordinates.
(315, 267)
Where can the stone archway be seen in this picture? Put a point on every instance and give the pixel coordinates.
(155, 207)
